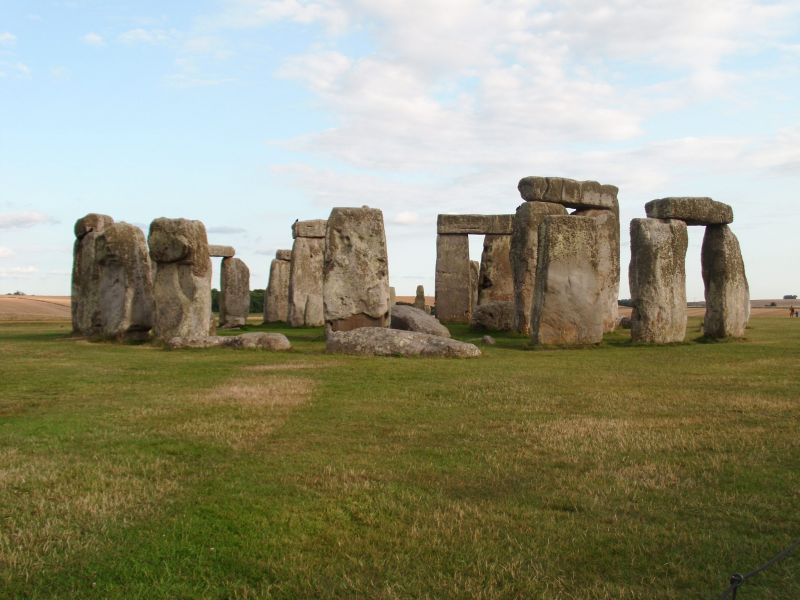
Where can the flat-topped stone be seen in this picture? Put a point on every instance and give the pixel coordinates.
(221, 251)
(379, 341)
(283, 255)
(475, 224)
(93, 222)
(408, 318)
(569, 192)
(249, 341)
(692, 211)
(314, 228)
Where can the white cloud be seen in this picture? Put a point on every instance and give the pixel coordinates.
(333, 14)
(62, 73)
(405, 218)
(7, 39)
(18, 272)
(93, 39)
(151, 36)
(6, 252)
(23, 219)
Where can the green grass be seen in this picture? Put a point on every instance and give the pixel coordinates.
(614, 472)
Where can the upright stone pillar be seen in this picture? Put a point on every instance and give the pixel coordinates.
(726, 290)
(126, 285)
(356, 272)
(453, 287)
(182, 286)
(474, 278)
(85, 305)
(496, 283)
(392, 296)
(523, 256)
(234, 294)
(657, 277)
(567, 300)
(305, 274)
(608, 254)
(419, 300)
(276, 298)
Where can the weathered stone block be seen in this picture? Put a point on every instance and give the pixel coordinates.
(475, 224)
(567, 300)
(496, 282)
(234, 293)
(608, 243)
(569, 193)
(419, 299)
(314, 228)
(276, 298)
(409, 318)
(223, 251)
(726, 290)
(356, 271)
(182, 287)
(249, 341)
(494, 316)
(376, 341)
(283, 255)
(453, 279)
(126, 286)
(85, 305)
(692, 211)
(305, 283)
(474, 278)
(523, 257)
(392, 296)
(657, 277)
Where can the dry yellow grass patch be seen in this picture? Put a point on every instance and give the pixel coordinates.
(293, 366)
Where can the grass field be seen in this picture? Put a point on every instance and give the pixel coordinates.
(615, 472)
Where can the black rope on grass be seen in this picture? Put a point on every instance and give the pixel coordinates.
(737, 579)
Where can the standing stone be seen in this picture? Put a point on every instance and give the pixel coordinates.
(85, 305)
(608, 255)
(419, 300)
(496, 283)
(276, 298)
(523, 257)
(657, 277)
(182, 287)
(567, 299)
(392, 296)
(453, 279)
(234, 294)
(126, 285)
(474, 278)
(356, 271)
(726, 290)
(305, 274)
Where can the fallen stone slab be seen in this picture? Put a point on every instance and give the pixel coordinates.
(726, 290)
(250, 341)
(314, 228)
(378, 341)
(493, 316)
(692, 211)
(221, 251)
(569, 192)
(475, 224)
(408, 318)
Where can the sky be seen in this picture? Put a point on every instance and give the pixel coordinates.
(249, 114)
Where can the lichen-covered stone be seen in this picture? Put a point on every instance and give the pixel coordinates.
(692, 211)
(523, 257)
(221, 251)
(569, 192)
(726, 290)
(657, 277)
(493, 316)
(408, 318)
(85, 305)
(182, 286)
(126, 286)
(356, 271)
(305, 283)
(234, 293)
(496, 282)
(276, 298)
(608, 246)
(453, 279)
(475, 224)
(567, 300)
(377, 341)
(314, 228)
(248, 341)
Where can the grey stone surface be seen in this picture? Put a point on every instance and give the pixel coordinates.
(726, 290)
(488, 340)
(276, 298)
(453, 279)
(356, 272)
(376, 341)
(182, 286)
(569, 193)
(494, 316)
(624, 323)
(693, 211)
(475, 224)
(249, 341)
(234, 293)
(523, 257)
(392, 296)
(85, 294)
(409, 318)
(305, 283)
(221, 251)
(608, 246)
(310, 229)
(126, 285)
(419, 299)
(657, 277)
(567, 299)
(496, 282)
(474, 278)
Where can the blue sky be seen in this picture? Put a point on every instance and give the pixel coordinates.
(249, 114)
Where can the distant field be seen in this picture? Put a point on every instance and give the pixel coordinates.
(618, 472)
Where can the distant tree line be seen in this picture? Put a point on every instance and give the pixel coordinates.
(256, 301)
(625, 302)
(790, 297)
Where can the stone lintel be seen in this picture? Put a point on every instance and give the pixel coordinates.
(221, 251)
(569, 192)
(475, 224)
(692, 211)
(309, 229)
(283, 255)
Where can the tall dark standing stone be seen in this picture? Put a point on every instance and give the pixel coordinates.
(496, 283)
(234, 293)
(453, 278)
(726, 290)
(85, 305)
